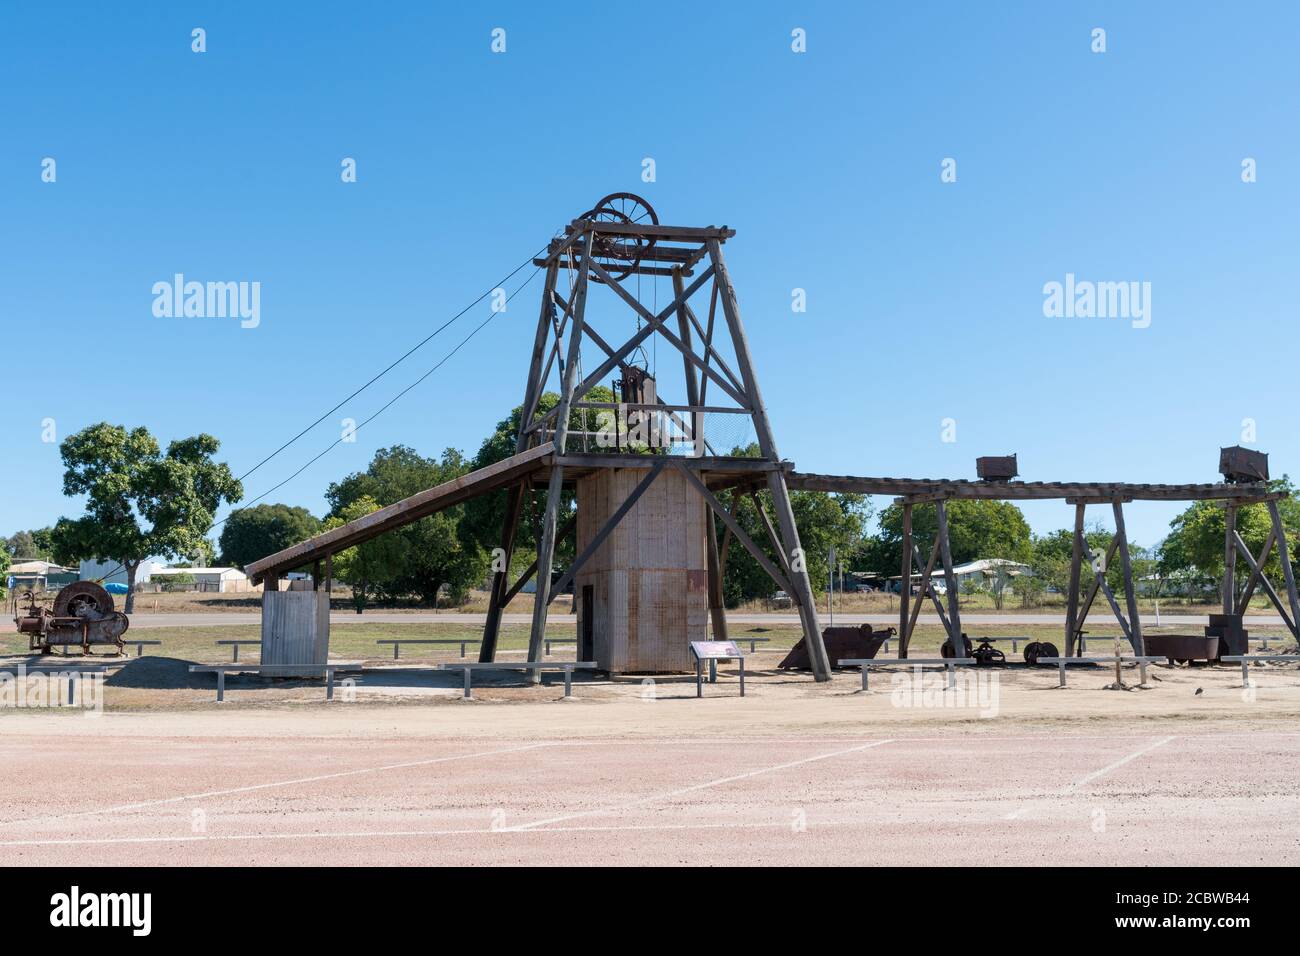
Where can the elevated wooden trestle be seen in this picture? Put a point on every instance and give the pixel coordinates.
(547, 456)
(914, 491)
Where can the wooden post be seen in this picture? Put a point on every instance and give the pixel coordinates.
(1098, 580)
(546, 547)
(924, 590)
(775, 479)
(954, 614)
(1076, 570)
(515, 496)
(536, 377)
(1229, 557)
(487, 651)
(717, 610)
(1284, 555)
(692, 382)
(904, 584)
(1257, 569)
(1255, 573)
(1130, 590)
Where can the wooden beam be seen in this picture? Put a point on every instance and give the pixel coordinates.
(776, 485)
(905, 582)
(1110, 596)
(497, 475)
(655, 323)
(954, 611)
(1258, 573)
(952, 489)
(927, 587)
(1076, 570)
(1130, 588)
(1229, 589)
(922, 591)
(1253, 580)
(764, 561)
(648, 231)
(546, 546)
(1284, 556)
(529, 571)
(1096, 581)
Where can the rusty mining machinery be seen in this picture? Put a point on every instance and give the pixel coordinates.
(83, 615)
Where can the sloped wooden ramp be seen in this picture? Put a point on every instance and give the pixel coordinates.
(454, 492)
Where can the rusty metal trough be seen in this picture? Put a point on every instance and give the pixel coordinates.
(841, 642)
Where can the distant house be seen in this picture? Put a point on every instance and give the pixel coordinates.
(38, 576)
(100, 571)
(986, 571)
(982, 574)
(214, 580)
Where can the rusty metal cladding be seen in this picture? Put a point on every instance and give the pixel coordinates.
(1183, 647)
(996, 468)
(1243, 465)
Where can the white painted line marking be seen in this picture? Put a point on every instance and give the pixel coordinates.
(371, 834)
(1069, 789)
(276, 783)
(656, 797)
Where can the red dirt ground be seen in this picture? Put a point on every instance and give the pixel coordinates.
(1125, 797)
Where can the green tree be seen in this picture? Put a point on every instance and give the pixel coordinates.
(139, 500)
(35, 544)
(251, 534)
(483, 517)
(1193, 548)
(371, 564)
(976, 529)
(823, 520)
(433, 552)
(4, 566)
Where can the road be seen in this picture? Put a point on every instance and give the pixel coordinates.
(453, 618)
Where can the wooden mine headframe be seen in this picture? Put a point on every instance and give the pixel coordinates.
(620, 238)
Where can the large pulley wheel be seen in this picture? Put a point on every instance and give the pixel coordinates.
(83, 599)
(621, 254)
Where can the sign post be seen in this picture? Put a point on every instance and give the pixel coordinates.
(714, 651)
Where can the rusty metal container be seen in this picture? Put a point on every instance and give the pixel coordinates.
(996, 468)
(1182, 647)
(841, 642)
(1231, 635)
(1243, 465)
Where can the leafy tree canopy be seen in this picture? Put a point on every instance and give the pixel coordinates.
(250, 534)
(976, 529)
(37, 545)
(140, 501)
(437, 553)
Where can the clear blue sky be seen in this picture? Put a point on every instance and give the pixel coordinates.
(924, 298)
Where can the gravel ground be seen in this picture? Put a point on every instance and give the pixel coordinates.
(793, 773)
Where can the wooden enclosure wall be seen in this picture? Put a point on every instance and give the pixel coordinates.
(650, 577)
(296, 628)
